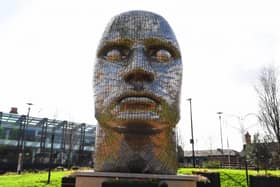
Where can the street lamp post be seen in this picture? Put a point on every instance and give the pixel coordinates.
(192, 140)
(221, 130)
(21, 152)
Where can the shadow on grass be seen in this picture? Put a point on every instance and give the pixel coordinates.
(234, 180)
(43, 183)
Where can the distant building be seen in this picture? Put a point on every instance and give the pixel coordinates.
(73, 142)
(228, 158)
(274, 148)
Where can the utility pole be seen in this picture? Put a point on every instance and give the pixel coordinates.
(192, 140)
(51, 156)
(221, 130)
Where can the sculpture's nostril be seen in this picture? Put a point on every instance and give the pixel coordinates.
(139, 76)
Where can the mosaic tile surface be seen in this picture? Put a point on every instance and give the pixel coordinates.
(137, 83)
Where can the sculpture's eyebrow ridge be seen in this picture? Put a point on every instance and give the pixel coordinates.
(170, 45)
(112, 43)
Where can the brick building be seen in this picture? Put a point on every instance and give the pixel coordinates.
(227, 158)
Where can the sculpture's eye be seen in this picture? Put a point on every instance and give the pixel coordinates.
(161, 55)
(116, 54)
(113, 55)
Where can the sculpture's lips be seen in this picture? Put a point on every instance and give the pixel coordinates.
(137, 111)
(137, 103)
(137, 106)
(141, 96)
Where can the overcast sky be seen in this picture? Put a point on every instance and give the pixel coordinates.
(47, 51)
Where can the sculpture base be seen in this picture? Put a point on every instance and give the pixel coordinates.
(110, 179)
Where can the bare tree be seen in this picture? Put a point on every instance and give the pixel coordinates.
(269, 103)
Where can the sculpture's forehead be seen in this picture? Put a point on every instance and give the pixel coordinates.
(139, 25)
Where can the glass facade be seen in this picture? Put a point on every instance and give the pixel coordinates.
(73, 142)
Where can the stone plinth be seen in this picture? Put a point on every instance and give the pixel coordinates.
(103, 179)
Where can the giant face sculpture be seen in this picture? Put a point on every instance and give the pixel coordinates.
(137, 82)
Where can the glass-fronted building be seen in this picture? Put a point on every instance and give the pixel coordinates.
(73, 143)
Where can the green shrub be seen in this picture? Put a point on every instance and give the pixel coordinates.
(211, 164)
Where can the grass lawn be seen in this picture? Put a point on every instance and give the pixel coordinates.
(32, 179)
(229, 177)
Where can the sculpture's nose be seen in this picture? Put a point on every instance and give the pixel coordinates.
(139, 70)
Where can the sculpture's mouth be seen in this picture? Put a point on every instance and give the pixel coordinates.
(141, 112)
(136, 103)
(137, 106)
